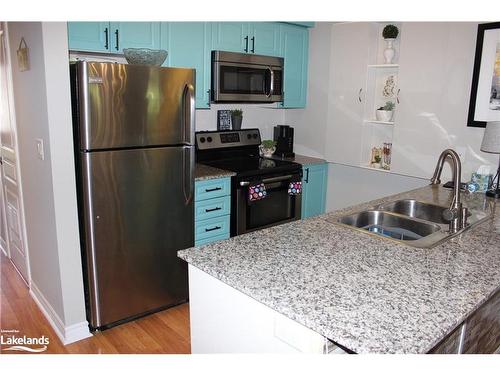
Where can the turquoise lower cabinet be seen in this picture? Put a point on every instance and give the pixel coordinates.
(295, 51)
(188, 46)
(134, 35)
(212, 209)
(314, 183)
(89, 36)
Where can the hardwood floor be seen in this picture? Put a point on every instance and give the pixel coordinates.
(165, 332)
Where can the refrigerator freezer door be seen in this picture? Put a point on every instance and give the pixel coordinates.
(138, 211)
(123, 105)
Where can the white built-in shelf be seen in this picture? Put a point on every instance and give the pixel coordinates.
(379, 122)
(375, 169)
(383, 66)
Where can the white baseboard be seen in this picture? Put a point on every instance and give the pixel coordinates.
(67, 334)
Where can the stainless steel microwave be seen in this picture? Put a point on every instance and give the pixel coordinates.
(241, 77)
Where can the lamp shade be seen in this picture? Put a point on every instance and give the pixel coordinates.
(491, 138)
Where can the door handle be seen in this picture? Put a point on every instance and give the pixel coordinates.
(397, 96)
(187, 173)
(117, 40)
(106, 35)
(214, 189)
(307, 176)
(246, 43)
(1, 160)
(253, 44)
(211, 229)
(359, 94)
(271, 84)
(188, 113)
(269, 180)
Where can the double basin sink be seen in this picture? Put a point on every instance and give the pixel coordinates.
(408, 221)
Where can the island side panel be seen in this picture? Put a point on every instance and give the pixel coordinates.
(224, 320)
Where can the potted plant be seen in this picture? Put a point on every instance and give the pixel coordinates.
(389, 33)
(386, 112)
(268, 147)
(236, 118)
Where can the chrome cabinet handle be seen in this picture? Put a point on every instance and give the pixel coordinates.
(106, 34)
(253, 44)
(397, 96)
(359, 94)
(117, 40)
(246, 43)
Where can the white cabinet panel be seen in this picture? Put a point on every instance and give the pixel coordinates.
(349, 58)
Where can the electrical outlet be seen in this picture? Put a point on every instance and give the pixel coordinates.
(39, 149)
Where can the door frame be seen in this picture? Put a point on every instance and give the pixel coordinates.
(4, 35)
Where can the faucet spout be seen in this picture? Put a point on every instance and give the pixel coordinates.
(456, 214)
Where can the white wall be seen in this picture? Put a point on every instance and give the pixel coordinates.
(262, 116)
(349, 185)
(42, 107)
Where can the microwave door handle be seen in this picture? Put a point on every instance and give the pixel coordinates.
(271, 84)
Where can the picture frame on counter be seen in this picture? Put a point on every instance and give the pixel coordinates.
(224, 119)
(484, 105)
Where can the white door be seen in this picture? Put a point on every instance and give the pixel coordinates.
(350, 49)
(11, 192)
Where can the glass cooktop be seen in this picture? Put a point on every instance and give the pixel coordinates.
(253, 165)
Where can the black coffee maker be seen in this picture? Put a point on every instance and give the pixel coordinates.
(283, 135)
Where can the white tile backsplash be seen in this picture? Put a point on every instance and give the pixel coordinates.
(261, 116)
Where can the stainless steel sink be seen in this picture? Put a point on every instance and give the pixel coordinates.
(416, 209)
(408, 221)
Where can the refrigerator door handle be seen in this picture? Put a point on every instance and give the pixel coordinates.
(187, 173)
(189, 113)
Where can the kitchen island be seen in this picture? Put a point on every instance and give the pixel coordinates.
(364, 293)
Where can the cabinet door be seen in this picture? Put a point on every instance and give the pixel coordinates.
(89, 36)
(134, 35)
(265, 38)
(349, 58)
(314, 190)
(230, 36)
(188, 46)
(295, 48)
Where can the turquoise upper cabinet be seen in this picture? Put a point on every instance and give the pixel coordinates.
(188, 46)
(314, 183)
(261, 38)
(295, 50)
(264, 38)
(230, 36)
(134, 35)
(89, 36)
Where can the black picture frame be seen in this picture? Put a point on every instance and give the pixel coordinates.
(476, 73)
(224, 119)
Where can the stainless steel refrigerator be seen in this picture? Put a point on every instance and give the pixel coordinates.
(134, 133)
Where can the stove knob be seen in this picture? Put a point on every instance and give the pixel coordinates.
(202, 139)
(249, 136)
(255, 136)
(209, 139)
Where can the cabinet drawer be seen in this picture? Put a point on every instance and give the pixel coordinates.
(214, 207)
(211, 227)
(208, 189)
(208, 240)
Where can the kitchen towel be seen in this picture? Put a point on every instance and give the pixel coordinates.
(256, 192)
(295, 188)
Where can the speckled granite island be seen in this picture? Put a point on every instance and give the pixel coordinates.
(366, 294)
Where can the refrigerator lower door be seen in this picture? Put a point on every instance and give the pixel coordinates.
(138, 212)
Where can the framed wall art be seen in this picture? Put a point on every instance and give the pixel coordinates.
(484, 105)
(223, 119)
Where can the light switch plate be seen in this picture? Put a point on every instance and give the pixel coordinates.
(39, 148)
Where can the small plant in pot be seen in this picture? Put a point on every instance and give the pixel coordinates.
(385, 113)
(236, 118)
(389, 33)
(268, 147)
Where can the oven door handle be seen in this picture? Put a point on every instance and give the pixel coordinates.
(269, 180)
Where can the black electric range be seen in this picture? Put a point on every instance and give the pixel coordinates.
(238, 151)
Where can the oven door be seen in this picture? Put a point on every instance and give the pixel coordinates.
(277, 208)
(244, 82)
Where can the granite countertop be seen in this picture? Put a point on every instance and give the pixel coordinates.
(302, 159)
(205, 172)
(365, 293)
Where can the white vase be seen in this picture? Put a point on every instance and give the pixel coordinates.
(389, 51)
(385, 116)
